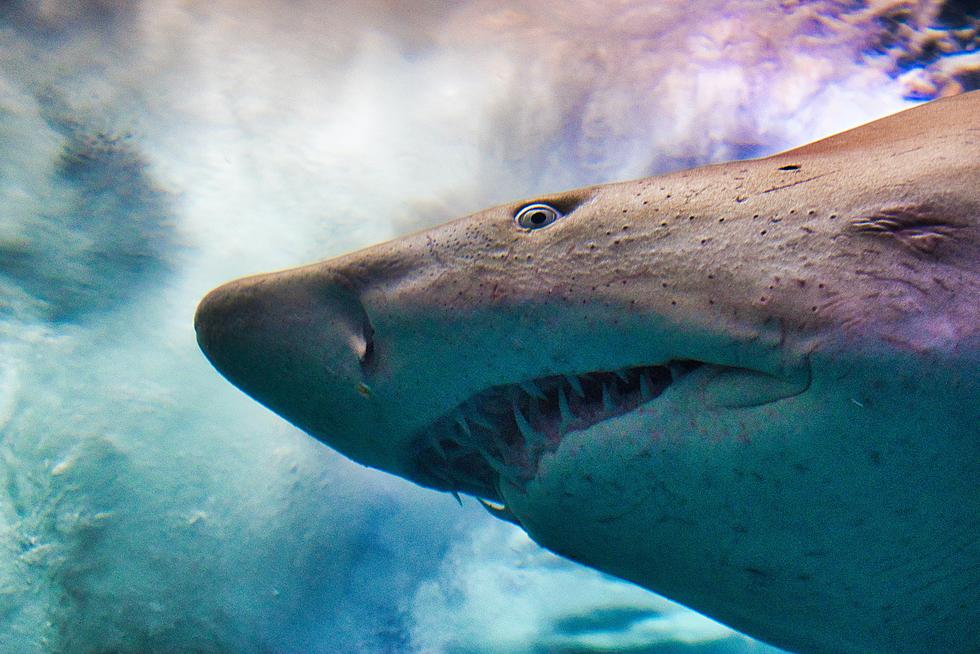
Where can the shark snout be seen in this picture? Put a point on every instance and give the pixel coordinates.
(216, 314)
(297, 341)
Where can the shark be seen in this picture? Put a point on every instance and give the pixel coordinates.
(751, 387)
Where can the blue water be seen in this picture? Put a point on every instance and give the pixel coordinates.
(149, 153)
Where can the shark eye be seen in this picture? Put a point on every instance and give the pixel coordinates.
(536, 216)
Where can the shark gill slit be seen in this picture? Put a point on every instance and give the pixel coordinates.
(500, 434)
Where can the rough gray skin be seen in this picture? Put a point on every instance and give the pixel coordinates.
(814, 483)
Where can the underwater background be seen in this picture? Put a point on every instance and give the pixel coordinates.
(150, 150)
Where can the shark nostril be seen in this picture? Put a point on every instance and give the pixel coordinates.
(367, 351)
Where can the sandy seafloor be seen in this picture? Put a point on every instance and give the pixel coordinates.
(151, 150)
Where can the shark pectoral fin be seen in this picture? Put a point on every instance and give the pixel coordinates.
(740, 388)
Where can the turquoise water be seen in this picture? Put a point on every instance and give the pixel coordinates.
(150, 153)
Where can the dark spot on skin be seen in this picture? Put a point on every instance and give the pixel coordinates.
(789, 167)
(756, 572)
(875, 457)
(763, 232)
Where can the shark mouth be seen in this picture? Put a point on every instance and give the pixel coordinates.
(502, 432)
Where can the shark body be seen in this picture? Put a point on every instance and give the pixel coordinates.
(751, 387)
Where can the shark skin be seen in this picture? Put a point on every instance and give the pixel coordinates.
(752, 387)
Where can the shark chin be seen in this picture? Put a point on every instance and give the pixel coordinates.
(752, 387)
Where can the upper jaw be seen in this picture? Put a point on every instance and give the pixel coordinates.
(500, 435)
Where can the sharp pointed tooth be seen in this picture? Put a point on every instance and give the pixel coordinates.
(501, 445)
(646, 392)
(461, 421)
(450, 483)
(479, 420)
(510, 473)
(464, 451)
(531, 388)
(531, 436)
(676, 371)
(607, 403)
(437, 446)
(566, 412)
(622, 375)
(575, 384)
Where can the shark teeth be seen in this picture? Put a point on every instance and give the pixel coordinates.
(607, 402)
(532, 389)
(502, 433)
(532, 438)
(461, 421)
(437, 446)
(575, 384)
(508, 472)
(564, 410)
(481, 421)
(645, 392)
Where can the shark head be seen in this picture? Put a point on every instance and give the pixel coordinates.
(751, 387)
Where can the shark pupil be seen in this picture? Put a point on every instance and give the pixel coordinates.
(536, 216)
